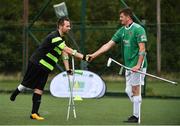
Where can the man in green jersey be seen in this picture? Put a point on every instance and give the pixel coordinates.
(43, 61)
(132, 38)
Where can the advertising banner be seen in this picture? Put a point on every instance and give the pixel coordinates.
(86, 85)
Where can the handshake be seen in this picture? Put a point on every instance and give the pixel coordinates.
(88, 57)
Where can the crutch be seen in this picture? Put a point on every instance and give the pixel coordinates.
(139, 120)
(71, 104)
(110, 60)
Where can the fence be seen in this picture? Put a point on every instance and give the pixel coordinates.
(95, 35)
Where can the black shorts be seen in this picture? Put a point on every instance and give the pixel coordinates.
(35, 77)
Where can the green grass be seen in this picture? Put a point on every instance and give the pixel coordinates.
(103, 111)
(159, 88)
(6, 85)
(153, 88)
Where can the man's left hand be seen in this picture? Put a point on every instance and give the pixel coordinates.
(69, 72)
(136, 68)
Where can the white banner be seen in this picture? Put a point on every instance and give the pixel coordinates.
(86, 85)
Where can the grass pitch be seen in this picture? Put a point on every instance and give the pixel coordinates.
(103, 111)
(109, 110)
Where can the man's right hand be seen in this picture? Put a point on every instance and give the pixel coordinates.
(86, 58)
(90, 57)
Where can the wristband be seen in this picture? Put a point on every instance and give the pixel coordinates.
(65, 57)
(74, 52)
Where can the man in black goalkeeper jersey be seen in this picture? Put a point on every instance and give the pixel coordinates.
(43, 61)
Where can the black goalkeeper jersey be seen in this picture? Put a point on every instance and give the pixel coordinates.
(49, 51)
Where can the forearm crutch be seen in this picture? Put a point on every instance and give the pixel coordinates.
(110, 60)
(71, 104)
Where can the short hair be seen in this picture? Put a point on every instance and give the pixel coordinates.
(61, 20)
(127, 12)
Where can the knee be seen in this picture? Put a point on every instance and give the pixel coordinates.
(38, 91)
(135, 90)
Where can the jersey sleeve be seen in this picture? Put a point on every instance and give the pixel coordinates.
(117, 37)
(141, 35)
(58, 41)
(62, 45)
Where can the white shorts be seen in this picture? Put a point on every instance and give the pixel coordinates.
(134, 78)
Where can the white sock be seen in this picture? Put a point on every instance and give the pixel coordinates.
(136, 105)
(21, 88)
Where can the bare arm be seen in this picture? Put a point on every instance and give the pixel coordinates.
(104, 48)
(70, 51)
(65, 59)
(141, 56)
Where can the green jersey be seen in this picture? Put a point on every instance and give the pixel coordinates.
(129, 38)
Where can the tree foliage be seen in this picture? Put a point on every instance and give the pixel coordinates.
(101, 21)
